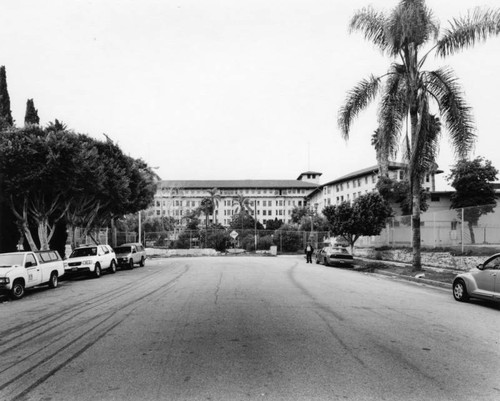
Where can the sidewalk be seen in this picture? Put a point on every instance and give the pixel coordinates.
(437, 277)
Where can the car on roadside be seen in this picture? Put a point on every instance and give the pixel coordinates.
(130, 254)
(22, 270)
(334, 256)
(482, 282)
(91, 260)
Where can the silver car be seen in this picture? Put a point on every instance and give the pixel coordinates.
(482, 282)
(335, 256)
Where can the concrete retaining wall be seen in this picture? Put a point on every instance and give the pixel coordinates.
(180, 252)
(435, 259)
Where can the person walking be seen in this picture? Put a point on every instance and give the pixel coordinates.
(309, 251)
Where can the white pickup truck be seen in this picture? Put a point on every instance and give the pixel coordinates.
(21, 270)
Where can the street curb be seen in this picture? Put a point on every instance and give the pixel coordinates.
(433, 283)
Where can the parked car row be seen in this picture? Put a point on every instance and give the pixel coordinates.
(482, 282)
(22, 270)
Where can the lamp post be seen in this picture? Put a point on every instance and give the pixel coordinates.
(255, 224)
(140, 227)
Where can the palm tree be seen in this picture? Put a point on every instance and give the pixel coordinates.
(407, 90)
(242, 204)
(215, 197)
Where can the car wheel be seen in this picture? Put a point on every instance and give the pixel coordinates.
(17, 290)
(317, 261)
(325, 262)
(97, 270)
(112, 267)
(142, 263)
(54, 280)
(460, 291)
(131, 264)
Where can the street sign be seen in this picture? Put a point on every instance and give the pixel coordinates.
(233, 234)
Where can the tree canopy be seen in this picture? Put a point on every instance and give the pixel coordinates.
(474, 190)
(6, 119)
(51, 174)
(31, 115)
(366, 215)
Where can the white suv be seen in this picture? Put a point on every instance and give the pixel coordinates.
(91, 259)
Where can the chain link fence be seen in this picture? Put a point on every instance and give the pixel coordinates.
(477, 226)
(286, 241)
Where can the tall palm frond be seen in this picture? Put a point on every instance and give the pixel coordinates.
(393, 109)
(478, 25)
(357, 99)
(242, 203)
(372, 24)
(444, 86)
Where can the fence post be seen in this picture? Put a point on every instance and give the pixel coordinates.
(434, 228)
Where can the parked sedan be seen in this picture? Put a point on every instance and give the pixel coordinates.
(481, 282)
(338, 256)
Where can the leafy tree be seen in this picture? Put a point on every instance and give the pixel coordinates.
(243, 220)
(394, 191)
(5, 112)
(410, 90)
(55, 126)
(288, 238)
(298, 213)
(36, 179)
(192, 221)
(48, 176)
(365, 216)
(31, 116)
(319, 223)
(274, 224)
(9, 230)
(474, 190)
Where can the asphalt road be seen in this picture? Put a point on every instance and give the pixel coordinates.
(243, 328)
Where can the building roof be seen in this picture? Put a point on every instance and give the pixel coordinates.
(369, 171)
(310, 173)
(231, 184)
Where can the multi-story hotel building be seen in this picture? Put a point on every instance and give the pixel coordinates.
(357, 183)
(268, 199)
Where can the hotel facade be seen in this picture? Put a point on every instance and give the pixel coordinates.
(269, 199)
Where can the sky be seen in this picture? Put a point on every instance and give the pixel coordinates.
(222, 89)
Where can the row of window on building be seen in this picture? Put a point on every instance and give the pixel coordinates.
(232, 192)
(228, 203)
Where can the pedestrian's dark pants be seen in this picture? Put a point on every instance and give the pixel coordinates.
(309, 257)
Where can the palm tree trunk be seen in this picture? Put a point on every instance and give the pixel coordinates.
(415, 221)
(471, 231)
(415, 189)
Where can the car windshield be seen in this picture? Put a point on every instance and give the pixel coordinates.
(339, 250)
(10, 259)
(123, 249)
(92, 251)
